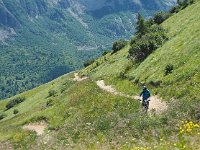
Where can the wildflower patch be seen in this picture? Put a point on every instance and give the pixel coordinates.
(188, 127)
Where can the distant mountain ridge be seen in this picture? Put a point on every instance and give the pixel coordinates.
(43, 39)
(33, 9)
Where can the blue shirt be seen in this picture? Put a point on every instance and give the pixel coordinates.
(145, 94)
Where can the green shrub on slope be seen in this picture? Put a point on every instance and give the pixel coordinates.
(118, 45)
(144, 46)
(14, 102)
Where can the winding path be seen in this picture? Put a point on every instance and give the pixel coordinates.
(156, 103)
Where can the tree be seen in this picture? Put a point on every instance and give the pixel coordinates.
(105, 52)
(118, 45)
(144, 46)
(184, 3)
(89, 62)
(161, 16)
(141, 27)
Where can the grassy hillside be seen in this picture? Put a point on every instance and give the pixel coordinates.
(82, 116)
(182, 51)
(41, 40)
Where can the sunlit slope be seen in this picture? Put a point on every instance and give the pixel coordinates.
(32, 108)
(83, 116)
(182, 50)
(73, 106)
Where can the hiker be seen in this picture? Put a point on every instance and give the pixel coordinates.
(145, 95)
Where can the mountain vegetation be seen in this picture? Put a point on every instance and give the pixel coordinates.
(43, 39)
(80, 115)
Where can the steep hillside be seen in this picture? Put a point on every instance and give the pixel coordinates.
(80, 115)
(41, 39)
(181, 51)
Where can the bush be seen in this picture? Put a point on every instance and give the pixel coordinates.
(2, 116)
(105, 52)
(15, 111)
(52, 93)
(118, 45)
(184, 3)
(156, 83)
(133, 40)
(122, 75)
(161, 17)
(14, 102)
(181, 5)
(144, 46)
(175, 9)
(149, 22)
(89, 62)
(168, 69)
(49, 103)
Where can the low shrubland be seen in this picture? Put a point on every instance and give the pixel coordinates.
(14, 102)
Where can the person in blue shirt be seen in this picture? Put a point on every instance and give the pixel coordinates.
(145, 94)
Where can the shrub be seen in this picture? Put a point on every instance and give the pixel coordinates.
(14, 102)
(175, 9)
(149, 22)
(97, 64)
(181, 5)
(184, 3)
(49, 103)
(52, 93)
(168, 69)
(15, 111)
(105, 52)
(89, 62)
(133, 40)
(2, 116)
(144, 46)
(160, 17)
(156, 83)
(118, 45)
(122, 75)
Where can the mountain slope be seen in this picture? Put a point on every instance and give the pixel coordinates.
(182, 51)
(82, 116)
(41, 39)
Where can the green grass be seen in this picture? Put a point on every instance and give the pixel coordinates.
(181, 50)
(82, 116)
(79, 104)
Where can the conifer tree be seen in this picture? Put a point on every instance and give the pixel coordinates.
(141, 28)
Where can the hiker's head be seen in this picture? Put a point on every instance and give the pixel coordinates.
(144, 88)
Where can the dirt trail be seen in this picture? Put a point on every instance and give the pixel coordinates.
(37, 127)
(157, 104)
(77, 78)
